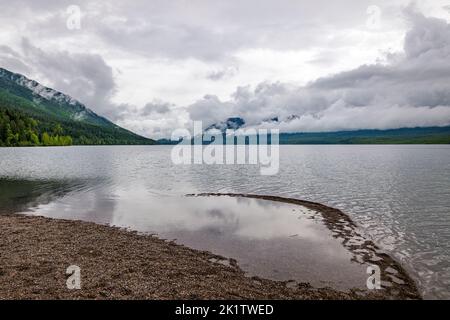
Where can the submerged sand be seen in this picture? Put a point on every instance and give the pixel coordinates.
(121, 264)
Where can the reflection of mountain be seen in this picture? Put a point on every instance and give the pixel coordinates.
(21, 195)
(42, 197)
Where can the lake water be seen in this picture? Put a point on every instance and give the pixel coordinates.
(399, 196)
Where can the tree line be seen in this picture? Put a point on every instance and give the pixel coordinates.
(18, 129)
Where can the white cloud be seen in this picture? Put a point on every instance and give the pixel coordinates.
(408, 89)
(145, 63)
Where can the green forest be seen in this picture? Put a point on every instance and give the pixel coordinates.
(17, 129)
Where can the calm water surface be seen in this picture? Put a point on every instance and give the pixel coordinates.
(400, 196)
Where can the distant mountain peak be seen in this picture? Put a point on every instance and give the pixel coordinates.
(232, 123)
(235, 123)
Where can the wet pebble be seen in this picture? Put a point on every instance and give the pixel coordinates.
(397, 280)
(391, 270)
(375, 259)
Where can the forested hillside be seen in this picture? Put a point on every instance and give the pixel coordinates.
(34, 115)
(17, 129)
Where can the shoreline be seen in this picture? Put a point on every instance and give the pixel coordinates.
(364, 250)
(117, 263)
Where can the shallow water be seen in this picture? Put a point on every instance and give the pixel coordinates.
(272, 240)
(400, 195)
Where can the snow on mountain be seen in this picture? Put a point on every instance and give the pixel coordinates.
(77, 110)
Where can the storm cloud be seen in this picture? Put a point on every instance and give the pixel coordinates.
(85, 77)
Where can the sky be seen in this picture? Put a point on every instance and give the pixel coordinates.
(153, 66)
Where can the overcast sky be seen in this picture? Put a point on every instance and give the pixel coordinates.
(155, 65)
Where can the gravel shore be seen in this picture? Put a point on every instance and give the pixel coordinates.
(120, 264)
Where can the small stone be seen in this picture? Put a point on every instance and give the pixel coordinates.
(396, 280)
(291, 285)
(375, 259)
(359, 259)
(391, 270)
(257, 282)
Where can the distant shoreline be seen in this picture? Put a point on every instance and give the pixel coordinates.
(121, 264)
(281, 144)
(417, 135)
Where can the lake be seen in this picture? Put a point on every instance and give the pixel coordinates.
(399, 195)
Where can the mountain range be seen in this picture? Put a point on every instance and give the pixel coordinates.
(418, 135)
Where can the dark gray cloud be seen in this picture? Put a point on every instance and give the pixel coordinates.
(9, 58)
(156, 107)
(152, 110)
(85, 77)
